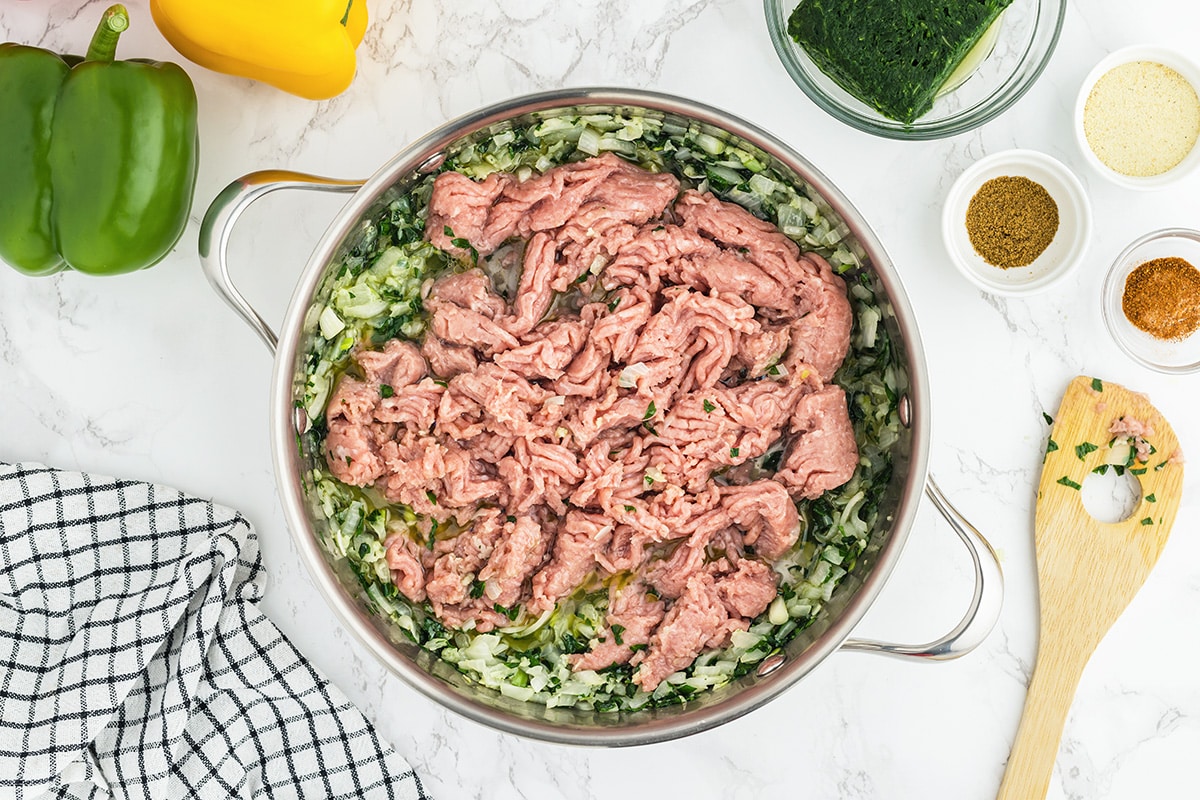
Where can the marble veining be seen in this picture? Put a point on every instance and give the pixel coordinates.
(150, 376)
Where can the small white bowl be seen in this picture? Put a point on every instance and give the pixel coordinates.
(1173, 357)
(1161, 55)
(1057, 260)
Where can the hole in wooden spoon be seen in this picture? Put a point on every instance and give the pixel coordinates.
(1110, 497)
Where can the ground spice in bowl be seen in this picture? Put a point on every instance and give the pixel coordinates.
(1162, 298)
(1011, 220)
(1141, 119)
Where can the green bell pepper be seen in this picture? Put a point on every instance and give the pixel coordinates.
(99, 157)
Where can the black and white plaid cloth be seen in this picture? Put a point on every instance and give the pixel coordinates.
(134, 661)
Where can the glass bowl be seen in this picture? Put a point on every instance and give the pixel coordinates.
(1028, 32)
(1177, 357)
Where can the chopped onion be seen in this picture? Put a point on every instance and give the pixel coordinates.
(521, 693)
(762, 184)
(868, 321)
(1119, 452)
(778, 613)
(709, 144)
(331, 324)
(589, 141)
(629, 376)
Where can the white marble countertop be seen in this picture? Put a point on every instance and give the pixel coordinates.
(150, 376)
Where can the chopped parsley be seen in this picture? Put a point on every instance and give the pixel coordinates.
(1101, 470)
(1051, 445)
(1138, 471)
(461, 243)
(709, 407)
(1097, 385)
(617, 631)
(1147, 521)
(1049, 419)
(511, 613)
(433, 629)
(1150, 498)
(734, 451)
(511, 519)
(1070, 484)
(1082, 450)
(433, 526)
(572, 645)
(630, 509)
(386, 391)
(431, 496)
(633, 648)
(476, 589)
(651, 410)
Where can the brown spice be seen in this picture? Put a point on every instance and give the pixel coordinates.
(1162, 298)
(1011, 221)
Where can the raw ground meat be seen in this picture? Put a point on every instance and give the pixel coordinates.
(578, 431)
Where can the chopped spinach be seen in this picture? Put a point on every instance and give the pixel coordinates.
(894, 55)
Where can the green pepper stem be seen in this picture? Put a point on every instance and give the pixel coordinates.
(108, 32)
(346, 16)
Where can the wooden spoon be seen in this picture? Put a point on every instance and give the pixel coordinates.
(1088, 571)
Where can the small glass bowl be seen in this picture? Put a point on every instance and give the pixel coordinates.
(1176, 357)
(1029, 30)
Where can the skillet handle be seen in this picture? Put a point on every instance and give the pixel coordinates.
(223, 214)
(983, 611)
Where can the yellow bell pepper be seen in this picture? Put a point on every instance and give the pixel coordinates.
(306, 47)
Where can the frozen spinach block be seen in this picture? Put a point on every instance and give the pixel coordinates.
(893, 55)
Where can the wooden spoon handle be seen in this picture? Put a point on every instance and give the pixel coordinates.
(1051, 690)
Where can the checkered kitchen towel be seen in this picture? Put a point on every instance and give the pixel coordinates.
(134, 661)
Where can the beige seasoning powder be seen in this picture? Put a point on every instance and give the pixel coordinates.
(1141, 118)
